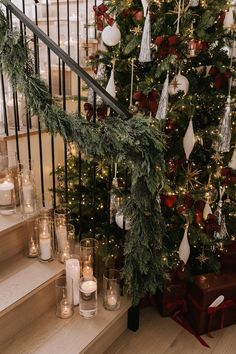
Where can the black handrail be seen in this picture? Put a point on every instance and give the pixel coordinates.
(114, 104)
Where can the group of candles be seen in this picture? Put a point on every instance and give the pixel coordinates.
(80, 288)
(13, 181)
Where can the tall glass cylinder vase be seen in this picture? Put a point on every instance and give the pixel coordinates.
(89, 257)
(8, 184)
(45, 239)
(64, 302)
(27, 191)
(31, 238)
(111, 289)
(88, 297)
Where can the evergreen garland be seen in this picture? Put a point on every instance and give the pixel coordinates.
(137, 142)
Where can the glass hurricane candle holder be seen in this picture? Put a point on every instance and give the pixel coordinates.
(88, 297)
(7, 195)
(61, 218)
(64, 303)
(89, 257)
(45, 239)
(27, 191)
(111, 289)
(31, 231)
(65, 235)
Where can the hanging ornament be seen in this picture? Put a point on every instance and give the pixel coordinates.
(131, 106)
(189, 140)
(120, 221)
(179, 83)
(111, 35)
(145, 6)
(225, 129)
(193, 3)
(206, 211)
(163, 103)
(219, 235)
(178, 18)
(228, 23)
(202, 258)
(145, 49)
(100, 75)
(232, 162)
(184, 248)
(111, 88)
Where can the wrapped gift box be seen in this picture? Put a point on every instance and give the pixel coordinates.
(202, 292)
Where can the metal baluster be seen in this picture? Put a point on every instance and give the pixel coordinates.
(59, 43)
(68, 25)
(4, 103)
(65, 144)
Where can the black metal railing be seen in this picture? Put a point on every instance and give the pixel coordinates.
(67, 80)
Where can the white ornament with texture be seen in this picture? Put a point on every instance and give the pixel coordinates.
(194, 3)
(232, 162)
(229, 19)
(111, 88)
(120, 221)
(163, 103)
(189, 140)
(179, 83)
(206, 211)
(145, 7)
(145, 49)
(111, 35)
(184, 248)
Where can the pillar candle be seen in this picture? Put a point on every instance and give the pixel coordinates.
(61, 234)
(72, 267)
(6, 189)
(28, 197)
(45, 246)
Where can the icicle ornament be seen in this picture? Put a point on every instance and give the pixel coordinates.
(184, 247)
(111, 88)
(189, 140)
(163, 103)
(225, 129)
(232, 162)
(145, 50)
(228, 23)
(114, 199)
(206, 211)
(145, 7)
(221, 220)
(99, 76)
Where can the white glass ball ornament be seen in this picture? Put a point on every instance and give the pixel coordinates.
(120, 221)
(111, 35)
(179, 83)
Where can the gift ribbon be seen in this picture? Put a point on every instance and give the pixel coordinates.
(100, 12)
(211, 311)
(179, 307)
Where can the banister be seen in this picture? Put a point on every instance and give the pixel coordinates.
(110, 101)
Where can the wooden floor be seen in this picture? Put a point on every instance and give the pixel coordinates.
(158, 335)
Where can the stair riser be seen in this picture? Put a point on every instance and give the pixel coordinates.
(26, 312)
(12, 242)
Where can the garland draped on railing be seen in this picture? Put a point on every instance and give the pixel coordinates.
(137, 142)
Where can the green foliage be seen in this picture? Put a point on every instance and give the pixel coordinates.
(138, 143)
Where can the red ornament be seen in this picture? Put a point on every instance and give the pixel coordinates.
(198, 217)
(137, 96)
(138, 16)
(159, 39)
(169, 200)
(173, 40)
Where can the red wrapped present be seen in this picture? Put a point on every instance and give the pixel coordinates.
(204, 291)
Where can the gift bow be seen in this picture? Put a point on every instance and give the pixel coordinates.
(100, 12)
(213, 310)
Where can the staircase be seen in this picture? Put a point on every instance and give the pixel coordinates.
(27, 305)
(27, 290)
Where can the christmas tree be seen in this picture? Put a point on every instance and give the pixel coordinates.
(174, 60)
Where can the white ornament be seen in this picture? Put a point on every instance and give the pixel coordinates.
(184, 248)
(120, 221)
(111, 35)
(189, 140)
(229, 19)
(232, 162)
(111, 88)
(206, 211)
(179, 83)
(217, 301)
(145, 7)
(145, 49)
(163, 103)
(193, 3)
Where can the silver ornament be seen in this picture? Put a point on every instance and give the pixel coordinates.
(225, 129)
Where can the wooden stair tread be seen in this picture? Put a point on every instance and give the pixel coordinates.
(10, 222)
(50, 334)
(25, 278)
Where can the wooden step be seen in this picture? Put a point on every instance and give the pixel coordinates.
(50, 334)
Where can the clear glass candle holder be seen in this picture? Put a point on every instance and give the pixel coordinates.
(31, 231)
(7, 195)
(64, 303)
(65, 236)
(89, 257)
(27, 191)
(111, 289)
(88, 297)
(45, 239)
